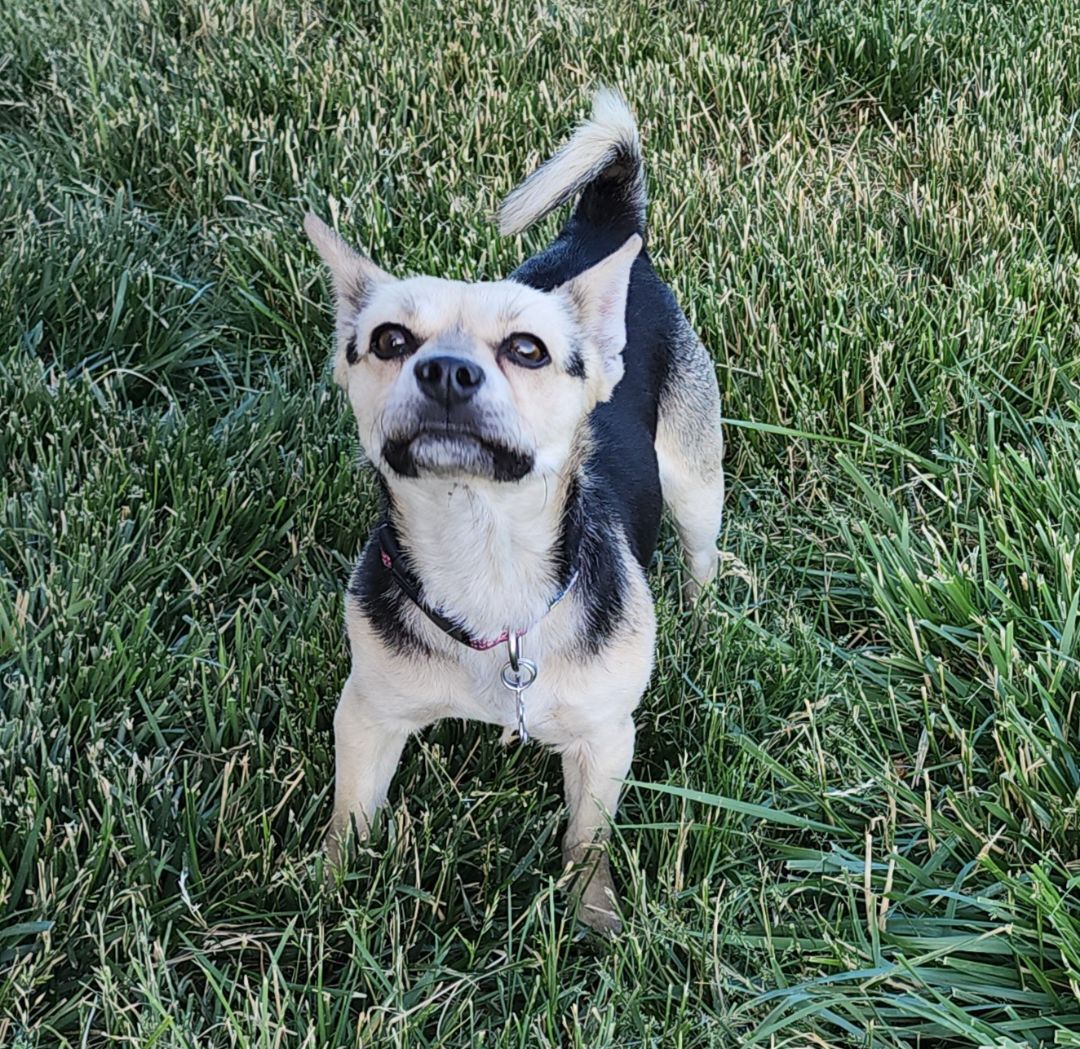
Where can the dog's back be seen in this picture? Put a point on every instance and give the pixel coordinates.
(661, 427)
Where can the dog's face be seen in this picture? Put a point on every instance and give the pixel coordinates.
(487, 380)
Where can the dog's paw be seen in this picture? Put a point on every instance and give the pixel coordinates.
(596, 907)
(334, 852)
(340, 841)
(691, 591)
(698, 576)
(697, 579)
(593, 892)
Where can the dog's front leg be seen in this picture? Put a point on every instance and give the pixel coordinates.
(367, 748)
(594, 768)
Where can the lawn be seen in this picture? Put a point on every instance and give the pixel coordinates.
(854, 817)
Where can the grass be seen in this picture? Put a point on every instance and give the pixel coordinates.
(854, 816)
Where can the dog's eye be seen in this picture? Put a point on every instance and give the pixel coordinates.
(526, 350)
(392, 340)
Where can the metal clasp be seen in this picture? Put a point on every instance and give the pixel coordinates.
(517, 675)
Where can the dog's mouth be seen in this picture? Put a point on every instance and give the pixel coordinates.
(450, 450)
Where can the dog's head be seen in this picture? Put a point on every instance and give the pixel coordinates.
(486, 380)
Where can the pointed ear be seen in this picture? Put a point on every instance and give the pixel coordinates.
(598, 297)
(353, 274)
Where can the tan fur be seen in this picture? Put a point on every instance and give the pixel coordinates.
(482, 547)
(582, 707)
(690, 453)
(610, 127)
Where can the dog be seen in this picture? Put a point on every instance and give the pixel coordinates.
(525, 434)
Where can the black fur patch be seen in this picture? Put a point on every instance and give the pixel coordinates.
(352, 355)
(398, 454)
(378, 596)
(575, 365)
(588, 525)
(511, 465)
(383, 604)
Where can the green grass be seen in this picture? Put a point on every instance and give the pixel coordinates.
(855, 815)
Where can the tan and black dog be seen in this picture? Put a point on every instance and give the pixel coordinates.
(526, 433)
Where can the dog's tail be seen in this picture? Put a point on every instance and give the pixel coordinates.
(602, 162)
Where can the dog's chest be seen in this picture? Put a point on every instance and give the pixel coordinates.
(470, 686)
(483, 695)
(578, 688)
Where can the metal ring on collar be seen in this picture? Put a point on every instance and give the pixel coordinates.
(520, 678)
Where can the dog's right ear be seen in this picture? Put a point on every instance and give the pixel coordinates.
(598, 297)
(353, 274)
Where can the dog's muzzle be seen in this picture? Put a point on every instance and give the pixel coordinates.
(447, 432)
(453, 442)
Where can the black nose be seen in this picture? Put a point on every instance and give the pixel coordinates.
(448, 380)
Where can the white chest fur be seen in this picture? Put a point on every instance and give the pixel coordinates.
(483, 551)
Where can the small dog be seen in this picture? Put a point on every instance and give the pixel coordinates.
(525, 433)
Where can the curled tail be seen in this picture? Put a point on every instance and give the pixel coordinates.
(602, 162)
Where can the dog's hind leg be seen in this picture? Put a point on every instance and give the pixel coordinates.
(690, 451)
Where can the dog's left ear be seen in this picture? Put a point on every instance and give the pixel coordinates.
(353, 273)
(598, 297)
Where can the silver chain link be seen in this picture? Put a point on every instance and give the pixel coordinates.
(517, 675)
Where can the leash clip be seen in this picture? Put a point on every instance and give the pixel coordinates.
(518, 673)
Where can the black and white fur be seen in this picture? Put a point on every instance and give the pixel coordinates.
(540, 470)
